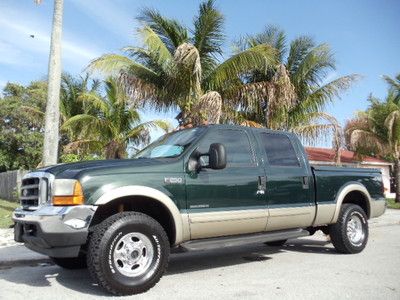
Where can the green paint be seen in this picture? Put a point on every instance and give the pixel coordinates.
(234, 187)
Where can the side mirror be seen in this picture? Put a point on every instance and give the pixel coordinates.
(217, 156)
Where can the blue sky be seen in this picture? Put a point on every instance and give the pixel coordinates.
(363, 34)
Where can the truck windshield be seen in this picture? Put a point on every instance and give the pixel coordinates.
(171, 145)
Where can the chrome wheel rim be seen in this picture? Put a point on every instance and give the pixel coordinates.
(133, 254)
(355, 230)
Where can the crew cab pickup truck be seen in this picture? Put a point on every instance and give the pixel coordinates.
(194, 189)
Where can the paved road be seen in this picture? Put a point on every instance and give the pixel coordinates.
(307, 268)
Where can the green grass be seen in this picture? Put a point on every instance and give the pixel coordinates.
(6, 209)
(392, 204)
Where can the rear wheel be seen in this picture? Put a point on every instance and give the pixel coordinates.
(71, 263)
(350, 233)
(128, 253)
(276, 243)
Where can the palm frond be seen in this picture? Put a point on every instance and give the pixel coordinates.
(171, 32)
(208, 34)
(110, 64)
(259, 57)
(86, 146)
(86, 126)
(156, 47)
(207, 109)
(366, 139)
(312, 69)
(321, 96)
(314, 129)
(394, 87)
(140, 133)
(95, 101)
(187, 55)
(299, 48)
(392, 123)
(314, 132)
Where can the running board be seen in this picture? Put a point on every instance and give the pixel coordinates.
(239, 240)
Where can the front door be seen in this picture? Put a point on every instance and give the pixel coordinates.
(289, 197)
(228, 201)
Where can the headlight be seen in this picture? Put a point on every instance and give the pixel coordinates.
(67, 192)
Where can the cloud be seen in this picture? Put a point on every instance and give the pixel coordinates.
(111, 15)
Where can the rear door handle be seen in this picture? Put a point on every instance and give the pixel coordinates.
(306, 185)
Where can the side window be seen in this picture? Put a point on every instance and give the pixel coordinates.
(279, 149)
(237, 145)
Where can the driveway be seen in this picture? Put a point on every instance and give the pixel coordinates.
(307, 268)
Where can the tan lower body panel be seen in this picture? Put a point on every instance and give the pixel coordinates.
(290, 217)
(222, 223)
(325, 213)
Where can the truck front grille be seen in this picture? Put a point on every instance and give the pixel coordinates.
(33, 192)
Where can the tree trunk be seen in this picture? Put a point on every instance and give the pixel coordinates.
(51, 134)
(397, 179)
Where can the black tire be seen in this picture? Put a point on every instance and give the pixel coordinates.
(108, 271)
(70, 263)
(276, 243)
(338, 232)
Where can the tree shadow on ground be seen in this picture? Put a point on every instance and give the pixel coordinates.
(80, 281)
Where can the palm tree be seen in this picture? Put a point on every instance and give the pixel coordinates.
(179, 68)
(304, 65)
(377, 132)
(394, 86)
(109, 123)
(71, 89)
(52, 117)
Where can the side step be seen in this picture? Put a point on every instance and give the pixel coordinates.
(239, 240)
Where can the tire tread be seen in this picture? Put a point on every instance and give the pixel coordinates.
(338, 233)
(94, 250)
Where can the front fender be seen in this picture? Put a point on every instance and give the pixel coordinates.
(180, 220)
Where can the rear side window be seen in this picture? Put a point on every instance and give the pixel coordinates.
(279, 149)
(236, 143)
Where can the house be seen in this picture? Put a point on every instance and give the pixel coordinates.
(326, 157)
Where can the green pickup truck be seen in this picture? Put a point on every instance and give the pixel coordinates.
(194, 189)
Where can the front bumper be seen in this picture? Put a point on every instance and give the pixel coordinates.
(56, 231)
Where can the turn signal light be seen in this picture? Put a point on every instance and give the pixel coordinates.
(76, 198)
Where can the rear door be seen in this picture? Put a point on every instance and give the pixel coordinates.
(288, 192)
(228, 201)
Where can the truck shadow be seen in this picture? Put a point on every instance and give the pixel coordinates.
(42, 275)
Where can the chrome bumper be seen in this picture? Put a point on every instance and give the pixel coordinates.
(57, 231)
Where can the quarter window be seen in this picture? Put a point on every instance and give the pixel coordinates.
(279, 149)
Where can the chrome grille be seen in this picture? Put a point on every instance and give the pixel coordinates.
(30, 192)
(35, 190)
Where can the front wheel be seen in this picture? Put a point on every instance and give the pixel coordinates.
(350, 233)
(128, 253)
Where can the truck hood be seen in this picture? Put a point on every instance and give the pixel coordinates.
(70, 170)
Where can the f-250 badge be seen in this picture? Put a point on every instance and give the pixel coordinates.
(173, 180)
